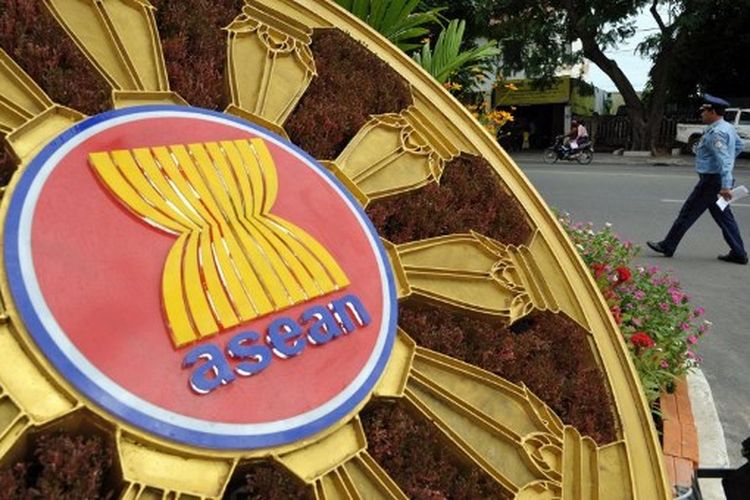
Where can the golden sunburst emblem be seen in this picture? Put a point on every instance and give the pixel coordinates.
(198, 287)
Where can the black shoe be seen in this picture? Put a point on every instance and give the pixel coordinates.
(656, 246)
(735, 259)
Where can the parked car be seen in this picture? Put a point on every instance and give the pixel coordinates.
(690, 133)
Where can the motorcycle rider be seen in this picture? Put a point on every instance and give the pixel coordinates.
(579, 136)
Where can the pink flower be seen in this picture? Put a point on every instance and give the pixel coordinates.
(664, 306)
(637, 322)
(676, 297)
(685, 327)
(639, 295)
(699, 311)
(664, 364)
(692, 339)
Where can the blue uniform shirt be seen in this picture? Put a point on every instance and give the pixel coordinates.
(717, 149)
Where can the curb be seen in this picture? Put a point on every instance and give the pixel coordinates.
(680, 438)
(693, 436)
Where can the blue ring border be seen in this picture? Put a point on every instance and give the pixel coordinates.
(109, 402)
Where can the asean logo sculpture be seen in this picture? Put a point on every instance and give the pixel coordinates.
(199, 288)
(232, 228)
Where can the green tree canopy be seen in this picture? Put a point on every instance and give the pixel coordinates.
(537, 37)
(713, 56)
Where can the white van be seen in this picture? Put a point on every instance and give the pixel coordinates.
(690, 133)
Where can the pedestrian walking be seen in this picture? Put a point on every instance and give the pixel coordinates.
(714, 163)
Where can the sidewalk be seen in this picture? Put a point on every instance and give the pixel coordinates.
(711, 442)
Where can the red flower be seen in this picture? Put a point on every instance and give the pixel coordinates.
(617, 314)
(642, 339)
(598, 269)
(623, 274)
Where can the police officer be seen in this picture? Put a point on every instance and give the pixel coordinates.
(714, 161)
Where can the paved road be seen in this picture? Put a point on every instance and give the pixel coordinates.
(641, 201)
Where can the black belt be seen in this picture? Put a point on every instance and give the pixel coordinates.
(707, 176)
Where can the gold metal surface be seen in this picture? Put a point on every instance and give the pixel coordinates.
(151, 473)
(500, 427)
(394, 153)
(120, 39)
(270, 62)
(29, 397)
(507, 431)
(28, 117)
(475, 273)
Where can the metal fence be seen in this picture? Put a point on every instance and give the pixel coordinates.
(614, 132)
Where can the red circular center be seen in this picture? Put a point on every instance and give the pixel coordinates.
(100, 267)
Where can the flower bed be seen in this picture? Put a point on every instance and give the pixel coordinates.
(195, 47)
(655, 315)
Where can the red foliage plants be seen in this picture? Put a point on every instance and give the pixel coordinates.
(64, 467)
(352, 84)
(33, 39)
(470, 197)
(411, 451)
(547, 352)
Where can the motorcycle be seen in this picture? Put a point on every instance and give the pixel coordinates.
(560, 150)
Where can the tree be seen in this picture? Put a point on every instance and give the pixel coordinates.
(537, 38)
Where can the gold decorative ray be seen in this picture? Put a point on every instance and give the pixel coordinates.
(483, 276)
(392, 154)
(28, 398)
(150, 473)
(504, 428)
(339, 467)
(270, 63)
(233, 260)
(119, 37)
(28, 116)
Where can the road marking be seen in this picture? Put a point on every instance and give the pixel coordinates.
(611, 174)
(683, 201)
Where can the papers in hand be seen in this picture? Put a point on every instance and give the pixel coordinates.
(737, 194)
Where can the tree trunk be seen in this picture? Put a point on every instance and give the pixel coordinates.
(659, 73)
(636, 112)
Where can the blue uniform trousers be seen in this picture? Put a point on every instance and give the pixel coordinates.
(704, 197)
